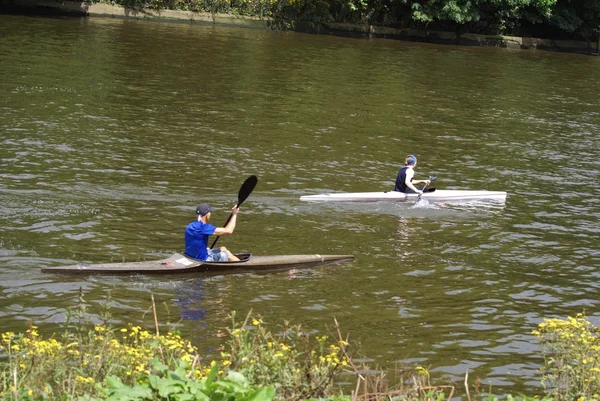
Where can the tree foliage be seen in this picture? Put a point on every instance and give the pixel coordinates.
(557, 19)
(579, 18)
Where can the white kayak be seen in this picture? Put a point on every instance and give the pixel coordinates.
(437, 195)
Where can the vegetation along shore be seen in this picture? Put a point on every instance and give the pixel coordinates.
(541, 24)
(100, 362)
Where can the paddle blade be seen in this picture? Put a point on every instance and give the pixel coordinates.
(246, 189)
(243, 194)
(432, 178)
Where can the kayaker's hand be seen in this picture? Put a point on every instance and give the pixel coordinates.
(420, 192)
(427, 182)
(235, 210)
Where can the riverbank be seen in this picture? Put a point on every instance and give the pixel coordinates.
(342, 29)
(98, 362)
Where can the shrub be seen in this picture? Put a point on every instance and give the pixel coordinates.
(71, 366)
(298, 367)
(571, 357)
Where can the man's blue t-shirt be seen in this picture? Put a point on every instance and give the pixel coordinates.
(196, 239)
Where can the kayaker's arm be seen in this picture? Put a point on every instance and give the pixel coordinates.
(410, 183)
(411, 186)
(228, 229)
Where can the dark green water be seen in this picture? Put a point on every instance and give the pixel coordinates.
(112, 131)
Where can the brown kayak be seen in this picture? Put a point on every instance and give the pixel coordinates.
(179, 263)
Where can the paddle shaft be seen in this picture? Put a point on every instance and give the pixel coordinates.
(431, 178)
(245, 191)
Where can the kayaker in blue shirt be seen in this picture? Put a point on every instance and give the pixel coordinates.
(197, 233)
(404, 181)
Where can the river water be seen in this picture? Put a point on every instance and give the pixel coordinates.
(112, 131)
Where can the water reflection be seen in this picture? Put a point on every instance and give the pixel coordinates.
(189, 298)
(191, 295)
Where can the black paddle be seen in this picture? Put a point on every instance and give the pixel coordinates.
(245, 191)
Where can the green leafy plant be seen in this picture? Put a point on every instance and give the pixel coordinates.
(176, 385)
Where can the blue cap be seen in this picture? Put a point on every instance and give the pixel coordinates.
(411, 159)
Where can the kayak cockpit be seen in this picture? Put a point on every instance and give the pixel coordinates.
(243, 258)
(184, 261)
